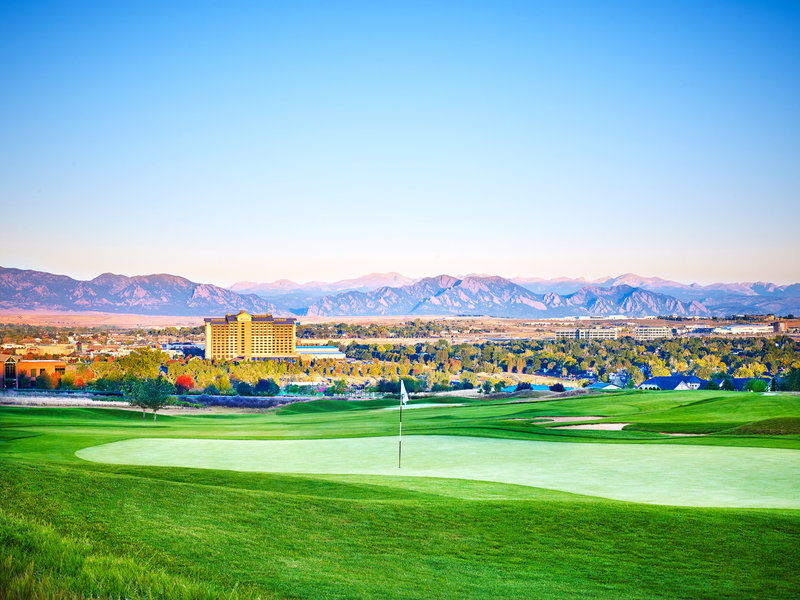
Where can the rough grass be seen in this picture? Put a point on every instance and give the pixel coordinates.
(38, 563)
(779, 426)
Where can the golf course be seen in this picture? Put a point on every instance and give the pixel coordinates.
(635, 495)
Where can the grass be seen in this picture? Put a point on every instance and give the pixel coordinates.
(71, 528)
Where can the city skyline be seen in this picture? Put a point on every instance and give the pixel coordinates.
(321, 143)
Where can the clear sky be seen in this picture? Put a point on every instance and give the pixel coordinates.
(228, 141)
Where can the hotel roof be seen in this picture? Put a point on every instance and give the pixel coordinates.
(229, 318)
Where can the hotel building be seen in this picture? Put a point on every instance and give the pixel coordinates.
(250, 337)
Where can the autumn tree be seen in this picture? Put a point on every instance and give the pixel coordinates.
(184, 383)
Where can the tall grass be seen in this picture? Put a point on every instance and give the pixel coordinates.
(36, 563)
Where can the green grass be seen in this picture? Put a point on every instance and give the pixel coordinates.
(71, 528)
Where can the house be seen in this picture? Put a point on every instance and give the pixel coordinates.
(673, 382)
(603, 386)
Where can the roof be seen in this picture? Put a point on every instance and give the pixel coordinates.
(672, 382)
(602, 385)
(5, 357)
(258, 318)
(318, 348)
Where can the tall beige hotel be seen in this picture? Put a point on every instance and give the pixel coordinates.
(250, 337)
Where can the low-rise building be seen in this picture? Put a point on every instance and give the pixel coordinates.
(646, 332)
(786, 326)
(14, 368)
(744, 329)
(595, 333)
(308, 353)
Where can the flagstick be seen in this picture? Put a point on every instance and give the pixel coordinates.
(400, 438)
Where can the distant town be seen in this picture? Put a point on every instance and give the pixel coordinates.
(234, 353)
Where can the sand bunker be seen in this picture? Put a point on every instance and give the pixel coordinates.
(596, 426)
(422, 405)
(567, 419)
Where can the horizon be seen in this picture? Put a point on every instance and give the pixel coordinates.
(248, 142)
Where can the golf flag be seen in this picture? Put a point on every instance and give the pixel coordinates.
(403, 400)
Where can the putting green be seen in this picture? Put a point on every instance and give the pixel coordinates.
(650, 473)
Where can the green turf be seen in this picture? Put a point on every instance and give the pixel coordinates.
(698, 475)
(73, 528)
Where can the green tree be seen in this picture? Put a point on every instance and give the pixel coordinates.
(756, 385)
(152, 393)
(340, 387)
(244, 389)
(268, 387)
(45, 382)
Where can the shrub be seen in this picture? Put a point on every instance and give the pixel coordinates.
(557, 387)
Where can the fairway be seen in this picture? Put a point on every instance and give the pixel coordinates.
(657, 474)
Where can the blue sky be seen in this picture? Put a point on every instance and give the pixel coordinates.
(327, 140)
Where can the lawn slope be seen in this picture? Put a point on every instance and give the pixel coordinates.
(71, 528)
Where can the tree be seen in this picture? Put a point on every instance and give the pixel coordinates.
(152, 393)
(184, 383)
(487, 386)
(635, 374)
(711, 385)
(268, 387)
(557, 387)
(67, 381)
(244, 389)
(791, 382)
(756, 385)
(45, 382)
(727, 385)
(223, 384)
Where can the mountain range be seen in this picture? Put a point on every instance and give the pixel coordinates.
(383, 294)
(142, 294)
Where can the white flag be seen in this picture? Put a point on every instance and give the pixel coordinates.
(403, 393)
